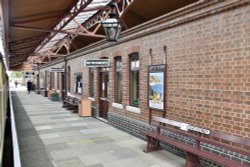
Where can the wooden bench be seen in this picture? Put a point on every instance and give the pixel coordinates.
(195, 152)
(38, 91)
(43, 92)
(71, 103)
(65, 102)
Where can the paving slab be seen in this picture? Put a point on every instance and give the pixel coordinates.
(36, 158)
(56, 147)
(73, 162)
(53, 136)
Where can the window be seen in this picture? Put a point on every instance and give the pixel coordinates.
(57, 81)
(91, 82)
(51, 80)
(104, 81)
(46, 77)
(68, 78)
(78, 83)
(134, 79)
(118, 79)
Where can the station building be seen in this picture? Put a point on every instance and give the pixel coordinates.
(190, 64)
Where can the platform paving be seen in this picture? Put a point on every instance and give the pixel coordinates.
(50, 135)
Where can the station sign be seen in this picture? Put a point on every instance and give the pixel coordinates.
(96, 63)
(197, 129)
(34, 67)
(56, 69)
(187, 127)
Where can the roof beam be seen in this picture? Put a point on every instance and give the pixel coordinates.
(29, 39)
(15, 64)
(76, 10)
(26, 47)
(95, 20)
(57, 55)
(39, 17)
(18, 60)
(70, 32)
(20, 53)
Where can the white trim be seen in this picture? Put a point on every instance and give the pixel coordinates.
(133, 109)
(117, 105)
(15, 145)
(91, 98)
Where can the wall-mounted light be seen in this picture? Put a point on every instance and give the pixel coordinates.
(111, 26)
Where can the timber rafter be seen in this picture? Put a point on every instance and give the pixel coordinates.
(82, 29)
(75, 11)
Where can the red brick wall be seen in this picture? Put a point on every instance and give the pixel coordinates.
(207, 76)
(207, 71)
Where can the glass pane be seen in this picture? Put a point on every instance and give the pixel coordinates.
(78, 83)
(69, 79)
(92, 83)
(137, 64)
(104, 86)
(118, 87)
(118, 65)
(135, 88)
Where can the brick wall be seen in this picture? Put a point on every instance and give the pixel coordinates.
(207, 76)
(207, 71)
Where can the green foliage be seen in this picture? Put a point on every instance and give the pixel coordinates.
(135, 102)
(16, 74)
(55, 94)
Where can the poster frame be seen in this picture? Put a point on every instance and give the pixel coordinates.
(157, 69)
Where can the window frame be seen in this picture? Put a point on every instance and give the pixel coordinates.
(92, 82)
(76, 83)
(68, 78)
(57, 80)
(118, 71)
(134, 60)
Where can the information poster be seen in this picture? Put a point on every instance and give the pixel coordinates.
(156, 86)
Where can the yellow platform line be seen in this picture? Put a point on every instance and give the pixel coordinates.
(98, 139)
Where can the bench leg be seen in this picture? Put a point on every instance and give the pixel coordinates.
(153, 145)
(69, 107)
(192, 160)
(75, 109)
(64, 105)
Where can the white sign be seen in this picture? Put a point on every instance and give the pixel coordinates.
(197, 129)
(55, 69)
(97, 63)
(34, 67)
(184, 126)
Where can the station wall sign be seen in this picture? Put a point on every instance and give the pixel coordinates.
(156, 85)
(96, 63)
(34, 67)
(56, 69)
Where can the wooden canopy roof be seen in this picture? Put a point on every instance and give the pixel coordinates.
(39, 31)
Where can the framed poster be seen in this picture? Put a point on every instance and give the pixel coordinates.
(156, 86)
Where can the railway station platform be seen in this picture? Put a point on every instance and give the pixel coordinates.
(51, 136)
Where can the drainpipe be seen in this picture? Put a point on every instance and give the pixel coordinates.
(38, 79)
(65, 78)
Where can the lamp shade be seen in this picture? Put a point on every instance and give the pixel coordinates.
(112, 28)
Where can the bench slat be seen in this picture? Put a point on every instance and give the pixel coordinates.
(201, 153)
(232, 138)
(204, 140)
(195, 151)
(214, 133)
